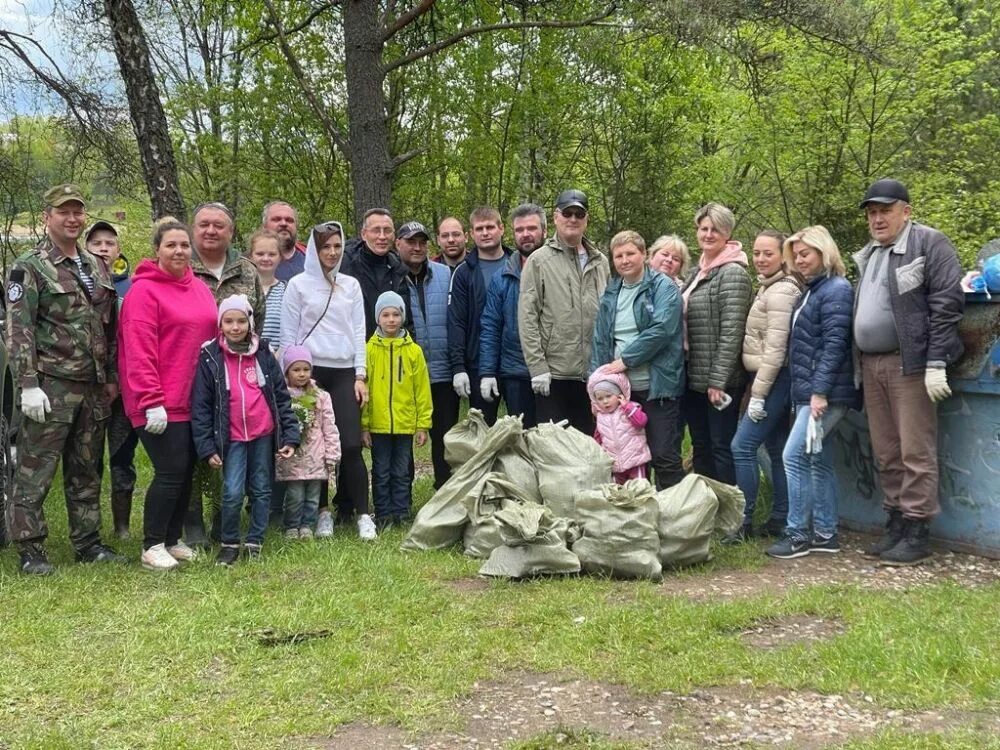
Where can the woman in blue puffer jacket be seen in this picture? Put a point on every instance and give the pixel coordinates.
(819, 359)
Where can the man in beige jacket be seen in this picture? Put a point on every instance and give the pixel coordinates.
(561, 287)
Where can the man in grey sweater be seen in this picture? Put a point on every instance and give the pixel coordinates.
(907, 308)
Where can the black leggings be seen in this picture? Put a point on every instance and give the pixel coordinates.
(172, 456)
(352, 480)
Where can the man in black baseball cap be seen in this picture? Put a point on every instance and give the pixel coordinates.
(906, 312)
(571, 199)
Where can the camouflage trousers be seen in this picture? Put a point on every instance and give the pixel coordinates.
(74, 431)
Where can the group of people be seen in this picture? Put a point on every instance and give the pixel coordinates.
(277, 366)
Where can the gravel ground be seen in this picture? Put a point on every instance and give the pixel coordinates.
(527, 705)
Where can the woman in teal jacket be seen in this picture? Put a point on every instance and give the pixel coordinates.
(638, 332)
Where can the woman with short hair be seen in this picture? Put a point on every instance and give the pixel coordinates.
(717, 298)
(670, 256)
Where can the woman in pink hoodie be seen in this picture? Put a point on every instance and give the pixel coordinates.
(165, 318)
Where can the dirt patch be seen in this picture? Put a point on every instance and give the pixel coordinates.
(846, 567)
(468, 585)
(790, 631)
(528, 705)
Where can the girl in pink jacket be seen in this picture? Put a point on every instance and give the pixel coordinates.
(316, 459)
(620, 424)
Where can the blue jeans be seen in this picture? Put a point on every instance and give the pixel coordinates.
(302, 502)
(771, 431)
(812, 483)
(391, 487)
(247, 467)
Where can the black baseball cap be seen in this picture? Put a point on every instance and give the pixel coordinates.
(571, 199)
(412, 229)
(98, 225)
(886, 191)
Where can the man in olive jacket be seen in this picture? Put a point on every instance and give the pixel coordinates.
(907, 308)
(561, 287)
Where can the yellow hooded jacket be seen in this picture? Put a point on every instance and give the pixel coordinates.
(399, 388)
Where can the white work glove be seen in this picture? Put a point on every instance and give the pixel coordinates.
(542, 384)
(814, 435)
(488, 389)
(936, 383)
(35, 404)
(156, 420)
(755, 409)
(461, 385)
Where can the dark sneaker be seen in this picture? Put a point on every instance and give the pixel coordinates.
(825, 543)
(742, 534)
(789, 547)
(895, 529)
(98, 553)
(35, 563)
(774, 527)
(252, 551)
(228, 555)
(912, 549)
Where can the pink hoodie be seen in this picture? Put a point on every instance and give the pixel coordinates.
(163, 323)
(249, 413)
(620, 432)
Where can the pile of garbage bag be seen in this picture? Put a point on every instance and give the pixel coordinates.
(542, 502)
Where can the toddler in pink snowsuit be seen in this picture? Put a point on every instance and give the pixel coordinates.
(620, 425)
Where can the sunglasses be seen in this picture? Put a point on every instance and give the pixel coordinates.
(574, 213)
(329, 227)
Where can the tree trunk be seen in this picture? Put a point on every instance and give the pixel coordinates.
(148, 120)
(371, 168)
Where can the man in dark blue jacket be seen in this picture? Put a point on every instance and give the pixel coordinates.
(501, 363)
(467, 299)
(427, 282)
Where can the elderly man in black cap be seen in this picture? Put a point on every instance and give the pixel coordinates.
(906, 312)
(567, 273)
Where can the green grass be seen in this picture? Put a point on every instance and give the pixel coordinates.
(119, 658)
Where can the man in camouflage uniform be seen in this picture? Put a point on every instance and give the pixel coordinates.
(226, 272)
(61, 338)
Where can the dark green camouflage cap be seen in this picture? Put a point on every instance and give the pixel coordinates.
(56, 196)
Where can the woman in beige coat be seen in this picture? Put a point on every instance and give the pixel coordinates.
(765, 355)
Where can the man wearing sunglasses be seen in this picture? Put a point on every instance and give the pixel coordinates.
(561, 287)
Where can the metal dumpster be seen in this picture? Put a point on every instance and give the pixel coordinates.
(968, 446)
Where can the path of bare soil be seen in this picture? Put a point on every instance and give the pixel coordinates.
(528, 705)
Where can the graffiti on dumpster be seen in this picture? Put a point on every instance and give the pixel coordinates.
(855, 450)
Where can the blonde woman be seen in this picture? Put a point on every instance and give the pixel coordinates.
(669, 255)
(819, 358)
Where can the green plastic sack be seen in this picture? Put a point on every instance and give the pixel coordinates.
(619, 530)
(463, 440)
(515, 464)
(441, 521)
(690, 512)
(482, 534)
(567, 462)
(534, 544)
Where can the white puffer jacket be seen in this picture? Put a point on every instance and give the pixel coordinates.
(765, 344)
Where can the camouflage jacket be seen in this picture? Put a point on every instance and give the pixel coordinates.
(239, 276)
(54, 325)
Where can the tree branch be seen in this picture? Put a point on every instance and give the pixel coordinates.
(400, 160)
(265, 38)
(332, 129)
(407, 18)
(474, 30)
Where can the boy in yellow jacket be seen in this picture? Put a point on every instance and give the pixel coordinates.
(398, 408)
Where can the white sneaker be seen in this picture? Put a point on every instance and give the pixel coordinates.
(305, 533)
(366, 527)
(324, 525)
(291, 533)
(157, 558)
(181, 552)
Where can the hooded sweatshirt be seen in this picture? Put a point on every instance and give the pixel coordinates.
(164, 321)
(620, 432)
(249, 413)
(338, 338)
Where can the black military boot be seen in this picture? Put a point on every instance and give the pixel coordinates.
(913, 548)
(121, 512)
(34, 562)
(774, 527)
(194, 523)
(743, 534)
(894, 528)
